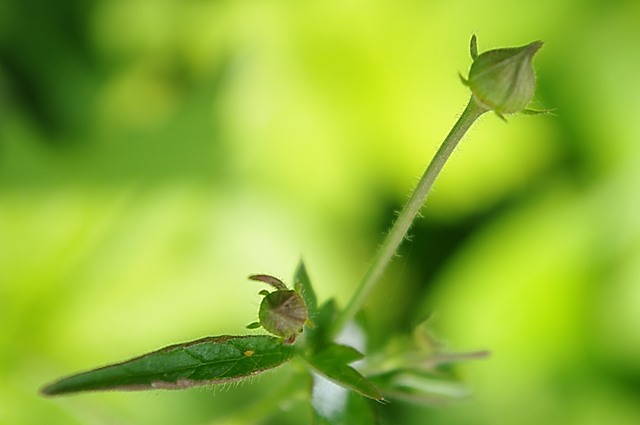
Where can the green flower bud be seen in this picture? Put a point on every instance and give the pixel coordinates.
(283, 312)
(503, 80)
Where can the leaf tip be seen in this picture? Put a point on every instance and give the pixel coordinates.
(46, 391)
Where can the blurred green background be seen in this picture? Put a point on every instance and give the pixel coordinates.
(153, 153)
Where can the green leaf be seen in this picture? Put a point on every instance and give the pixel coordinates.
(206, 361)
(413, 367)
(473, 47)
(302, 284)
(334, 405)
(317, 336)
(419, 387)
(341, 354)
(332, 362)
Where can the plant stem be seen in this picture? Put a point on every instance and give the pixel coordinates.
(407, 215)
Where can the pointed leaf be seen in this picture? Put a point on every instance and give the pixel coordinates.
(331, 362)
(317, 335)
(414, 367)
(341, 353)
(206, 361)
(473, 47)
(422, 388)
(302, 284)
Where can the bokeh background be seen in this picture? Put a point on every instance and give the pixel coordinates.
(153, 153)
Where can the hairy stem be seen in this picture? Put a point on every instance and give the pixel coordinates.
(412, 208)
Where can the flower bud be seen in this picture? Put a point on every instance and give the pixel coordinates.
(503, 80)
(283, 313)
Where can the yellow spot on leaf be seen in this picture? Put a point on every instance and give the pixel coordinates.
(249, 353)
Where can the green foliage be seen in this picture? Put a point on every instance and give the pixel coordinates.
(282, 312)
(154, 152)
(414, 367)
(333, 361)
(340, 394)
(343, 381)
(202, 362)
(302, 285)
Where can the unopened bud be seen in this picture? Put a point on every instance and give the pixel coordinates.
(503, 80)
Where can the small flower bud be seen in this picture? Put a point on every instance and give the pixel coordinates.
(283, 312)
(503, 80)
